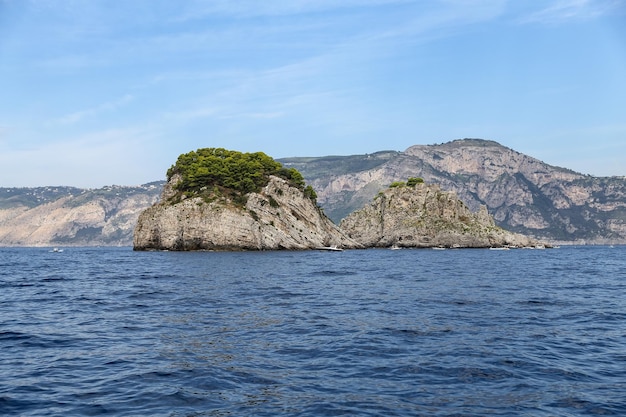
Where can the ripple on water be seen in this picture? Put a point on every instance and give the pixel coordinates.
(106, 331)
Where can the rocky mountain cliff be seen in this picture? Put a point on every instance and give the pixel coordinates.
(523, 194)
(425, 216)
(280, 216)
(58, 216)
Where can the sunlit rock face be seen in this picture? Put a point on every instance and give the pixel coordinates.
(277, 217)
(68, 216)
(523, 194)
(426, 216)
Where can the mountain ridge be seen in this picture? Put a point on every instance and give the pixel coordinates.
(522, 193)
(59, 215)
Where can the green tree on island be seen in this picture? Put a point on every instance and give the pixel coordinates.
(411, 182)
(211, 170)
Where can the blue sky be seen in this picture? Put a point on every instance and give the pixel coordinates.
(100, 92)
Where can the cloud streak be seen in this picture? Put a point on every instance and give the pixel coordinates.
(341, 76)
(253, 8)
(564, 10)
(78, 116)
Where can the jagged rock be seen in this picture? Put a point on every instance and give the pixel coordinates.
(278, 217)
(426, 216)
(523, 194)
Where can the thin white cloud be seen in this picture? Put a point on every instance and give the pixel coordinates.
(257, 115)
(199, 9)
(291, 89)
(564, 10)
(192, 113)
(409, 19)
(71, 62)
(445, 20)
(75, 117)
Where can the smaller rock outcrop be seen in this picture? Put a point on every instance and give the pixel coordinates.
(423, 215)
(522, 193)
(278, 216)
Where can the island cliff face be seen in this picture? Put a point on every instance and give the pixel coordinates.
(280, 216)
(426, 216)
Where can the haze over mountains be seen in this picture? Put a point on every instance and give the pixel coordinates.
(523, 194)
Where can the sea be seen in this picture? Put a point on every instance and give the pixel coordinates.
(411, 332)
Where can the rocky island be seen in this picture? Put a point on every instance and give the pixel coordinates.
(416, 214)
(216, 199)
(523, 194)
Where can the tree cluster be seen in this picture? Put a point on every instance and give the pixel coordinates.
(232, 171)
(411, 182)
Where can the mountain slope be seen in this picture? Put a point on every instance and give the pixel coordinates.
(523, 194)
(45, 216)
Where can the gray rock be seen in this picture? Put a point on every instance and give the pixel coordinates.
(278, 217)
(426, 216)
(523, 194)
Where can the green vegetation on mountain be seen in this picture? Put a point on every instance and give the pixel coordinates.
(36, 196)
(411, 182)
(218, 171)
(33, 197)
(326, 166)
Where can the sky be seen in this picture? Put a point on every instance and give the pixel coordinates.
(103, 92)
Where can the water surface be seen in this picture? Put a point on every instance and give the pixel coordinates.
(109, 331)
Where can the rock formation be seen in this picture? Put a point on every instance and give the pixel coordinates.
(426, 216)
(280, 216)
(523, 194)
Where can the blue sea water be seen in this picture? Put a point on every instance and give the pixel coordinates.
(109, 331)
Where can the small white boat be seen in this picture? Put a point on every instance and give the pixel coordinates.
(330, 248)
(499, 248)
(56, 250)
